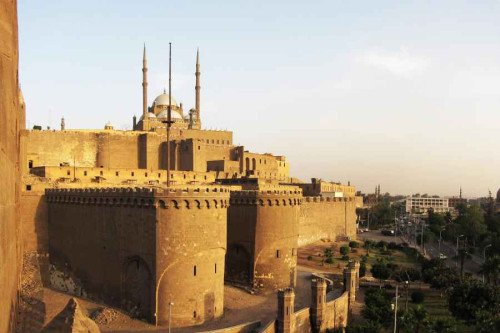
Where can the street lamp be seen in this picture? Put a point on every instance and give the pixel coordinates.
(484, 256)
(457, 241)
(395, 308)
(439, 246)
(170, 315)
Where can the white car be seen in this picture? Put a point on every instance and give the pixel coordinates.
(442, 256)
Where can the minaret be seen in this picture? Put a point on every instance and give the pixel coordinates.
(460, 192)
(197, 88)
(144, 85)
(63, 124)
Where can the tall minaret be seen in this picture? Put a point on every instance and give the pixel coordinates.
(144, 85)
(197, 88)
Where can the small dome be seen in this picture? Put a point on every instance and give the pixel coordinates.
(149, 115)
(164, 114)
(163, 100)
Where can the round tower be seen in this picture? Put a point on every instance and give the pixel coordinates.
(191, 247)
(264, 225)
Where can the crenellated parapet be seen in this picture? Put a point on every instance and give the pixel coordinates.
(274, 197)
(328, 199)
(143, 197)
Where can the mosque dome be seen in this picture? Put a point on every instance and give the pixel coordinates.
(163, 99)
(149, 115)
(174, 115)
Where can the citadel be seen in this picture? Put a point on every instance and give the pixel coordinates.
(167, 213)
(100, 206)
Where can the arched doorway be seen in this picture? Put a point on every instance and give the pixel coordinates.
(136, 288)
(238, 264)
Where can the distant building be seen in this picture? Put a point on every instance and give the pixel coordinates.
(454, 202)
(420, 205)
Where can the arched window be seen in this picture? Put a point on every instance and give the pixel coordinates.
(254, 164)
(247, 164)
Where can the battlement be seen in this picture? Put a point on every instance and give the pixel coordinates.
(270, 197)
(328, 199)
(145, 197)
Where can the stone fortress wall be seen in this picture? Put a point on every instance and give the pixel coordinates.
(190, 150)
(142, 248)
(11, 122)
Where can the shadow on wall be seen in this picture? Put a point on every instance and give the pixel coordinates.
(209, 306)
(238, 265)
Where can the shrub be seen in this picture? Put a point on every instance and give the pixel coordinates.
(362, 269)
(344, 250)
(353, 244)
(417, 297)
(329, 260)
(345, 257)
(364, 258)
(309, 258)
(381, 244)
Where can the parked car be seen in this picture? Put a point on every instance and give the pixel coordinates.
(442, 256)
(386, 232)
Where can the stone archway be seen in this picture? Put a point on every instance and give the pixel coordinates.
(136, 288)
(238, 264)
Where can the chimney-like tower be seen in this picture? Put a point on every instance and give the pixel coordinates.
(285, 320)
(197, 87)
(144, 85)
(318, 303)
(63, 124)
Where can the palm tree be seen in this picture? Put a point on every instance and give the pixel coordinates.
(491, 268)
(420, 315)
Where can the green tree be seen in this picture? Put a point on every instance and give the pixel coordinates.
(378, 306)
(442, 325)
(491, 268)
(380, 271)
(469, 298)
(471, 222)
(414, 320)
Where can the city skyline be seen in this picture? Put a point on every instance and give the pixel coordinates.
(402, 95)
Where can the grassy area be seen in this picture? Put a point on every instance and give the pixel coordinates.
(437, 308)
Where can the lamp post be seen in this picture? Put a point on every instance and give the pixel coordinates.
(440, 238)
(170, 315)
(395, 308)
(457, 247)
(484, 256)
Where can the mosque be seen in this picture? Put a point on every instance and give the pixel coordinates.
(156, 116)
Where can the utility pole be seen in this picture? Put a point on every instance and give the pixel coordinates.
(169, 113)
(396, 311)
(422, 237)
(484, 256)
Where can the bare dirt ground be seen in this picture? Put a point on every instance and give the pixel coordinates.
(240, 307)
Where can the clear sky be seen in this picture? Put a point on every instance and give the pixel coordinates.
(405, 94)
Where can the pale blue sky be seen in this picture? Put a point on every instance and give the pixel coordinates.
(401, 93)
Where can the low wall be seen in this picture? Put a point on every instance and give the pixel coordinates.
(338, 310)
(269, 328)
(302, 321)
(242, 328)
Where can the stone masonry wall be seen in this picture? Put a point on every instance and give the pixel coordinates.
(326, 218)
(10, 124)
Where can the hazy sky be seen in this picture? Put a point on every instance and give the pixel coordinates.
(405, 94)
